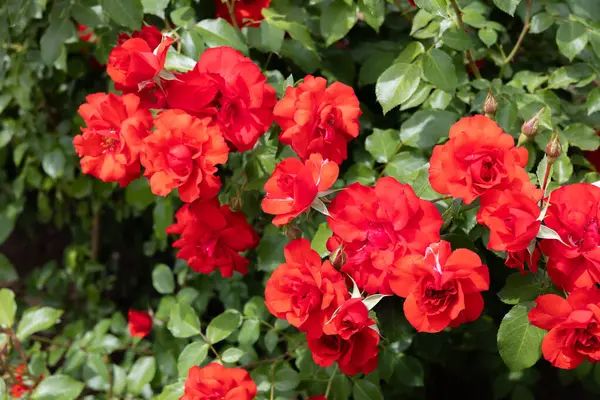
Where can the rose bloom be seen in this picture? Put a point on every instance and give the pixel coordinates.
(441, 288)
(350, 318)
(135, 61)
(574, 213)
(353, 355)
(215, 381)
(110, 145)
(231, 89)
(150, 34)
(574, 326)
(303, 291)
(294, 185)
(86, 34)
(212, 236)
(182, 153)
(512, 218)
(140, 323)
(377, 225)
(246, 12)
(315, 118)
(518, 259)
(478, 157)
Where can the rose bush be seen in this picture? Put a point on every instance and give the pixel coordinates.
(367, 199)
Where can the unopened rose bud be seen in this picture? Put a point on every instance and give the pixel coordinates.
(236, 203)
(529, 129)
(490, 105)
(553, 149)
(293, 232)
(338, 258)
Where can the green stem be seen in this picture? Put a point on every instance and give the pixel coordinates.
(330, 382)
(469, 54)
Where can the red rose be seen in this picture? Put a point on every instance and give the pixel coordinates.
(140, 323)
(478, 157)
(86, 34)
(135, 63)
(512, 218)
(351, 317)
(315, 118)
(574, 326)
(246, 12)
(574, 213)
(150, 34)
(182, 153)
(354, 355)
(230, 88)
(110, 145)
(212, 236)
(441, 288)
(518, 259)
(294, 185)
(215, 381)
(303, 291)
(376, 226)
(150, 93)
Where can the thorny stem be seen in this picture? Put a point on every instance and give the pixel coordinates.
(521, 36)
(330, 382)
(469, 54)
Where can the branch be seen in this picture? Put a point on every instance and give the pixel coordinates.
(469, 54)
(523, 33)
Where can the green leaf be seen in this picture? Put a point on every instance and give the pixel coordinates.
(519, 288)
(85, 15)
(424, 128)
(138, 194)
(162, 216)
(58, 387)
(562, 169)
(507, 114)
(271, 339)
(508, 6)
(268, 37)
(8, 308)
(488, 36)
(438, 69)
(193, 354)
(337, 18)
(540, 22)
(366, 390)
(519, 342)
(2, 389)
(249, 333)
(37, 319)
(405, 166)
(361, 173)
(410, 52)
(218, 32)
(409, 371)
(53, 39)
(286, 379)
(183, 321)
(297, 31)
(128, 13)
(192, 45)
(593, 101)
(578, 74)
(433, 6)
(418, 97)
(141, 373)
(582, 136)
(421, 20)
(232, 355)
(373, 12)
(571, 38)
(396, 85)
(319, 241)
(155, 7)
(8, 273)
(474, 18)
(223, 326)
(457, 39)
(183, 16)
(382, 144)
(119, 379)
(179, 62)
(173, 391)
(162, 279)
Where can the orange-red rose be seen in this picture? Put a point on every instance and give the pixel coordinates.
(350, 318)
(246, 12)
(441, 288)
(574, 326)
(318, 119)
(140, 323)
(377, 225)
(215, 381)
(303, 291)
(574, 213)
(294, 185)
(110, 145)
(212, 236)
(478, 157)
(182, 153)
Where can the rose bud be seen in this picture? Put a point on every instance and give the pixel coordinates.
(529, 129)
(553, 149)
(338, 258)
(490, 105)
(293, 232)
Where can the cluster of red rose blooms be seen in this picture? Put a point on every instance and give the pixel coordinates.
(386, 239)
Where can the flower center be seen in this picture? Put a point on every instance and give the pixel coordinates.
(110, 142)
(286, 184)
(436, 299)
(179, 159)
(587, 340)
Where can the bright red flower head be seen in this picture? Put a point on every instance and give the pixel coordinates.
(574, 326)
(376, 226)
(215, 381)
(246, 12)
(150, 34)
(478, 157)
(303, 291)
(518, 259)
(212, 236)
(350, 318)
(441, 288)
(231, 89)
(110, 145)
(294, 185)
(512, 218)
(315, 118)
(135, 62)
(140, 323)
(182, 153)
(574, 213)
(353, 355)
